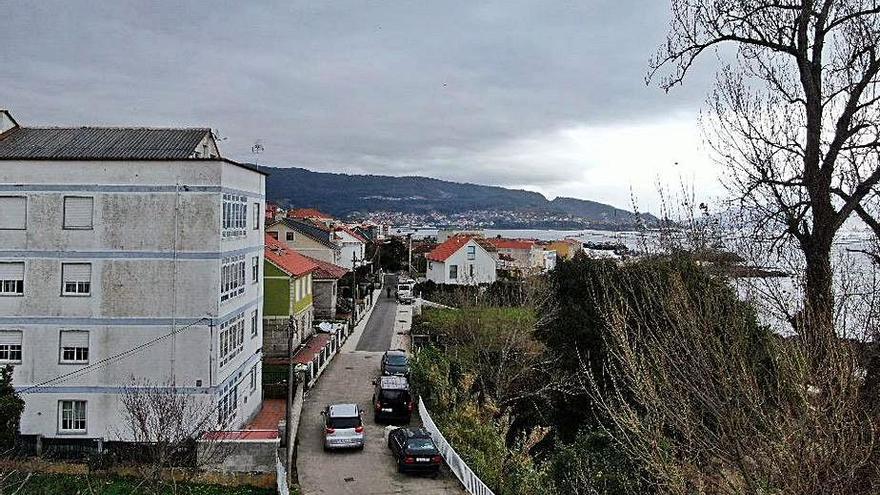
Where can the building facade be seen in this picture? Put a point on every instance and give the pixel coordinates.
(306, 238)
(128, 257)
(462, 260)
(288, 295)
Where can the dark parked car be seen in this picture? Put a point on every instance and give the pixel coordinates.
(391, 400)
(395, 363)
(414, 450)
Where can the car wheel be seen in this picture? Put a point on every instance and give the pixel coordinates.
(400, 467)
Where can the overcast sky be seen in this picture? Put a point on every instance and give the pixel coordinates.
(543, 95)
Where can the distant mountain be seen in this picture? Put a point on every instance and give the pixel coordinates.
(344, 195)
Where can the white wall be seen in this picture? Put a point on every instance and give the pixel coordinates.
(155, 250)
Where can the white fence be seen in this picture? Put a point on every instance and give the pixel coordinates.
(456, 464)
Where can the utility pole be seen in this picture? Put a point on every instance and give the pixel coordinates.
(409, 266)
(288, 433)
(354, 289)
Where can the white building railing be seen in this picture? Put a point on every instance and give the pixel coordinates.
(465, 475)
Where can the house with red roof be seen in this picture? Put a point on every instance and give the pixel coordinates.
(352, 245)
(462, 260)
(325, 282)
(309, 214)
(287, 297)
(524, 254)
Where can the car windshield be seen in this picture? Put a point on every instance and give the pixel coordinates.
(416, 445)
(401, 395)
(396, 360)
(342, 423)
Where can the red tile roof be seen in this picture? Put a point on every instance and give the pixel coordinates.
(287, 259)
(307, 213)
(501, 243)
(442, 252)
(327, 270)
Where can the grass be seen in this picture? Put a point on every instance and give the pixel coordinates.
(22, 483)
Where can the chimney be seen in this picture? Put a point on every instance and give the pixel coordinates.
(7, 123)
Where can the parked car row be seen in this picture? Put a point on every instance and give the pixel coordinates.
(412, 447)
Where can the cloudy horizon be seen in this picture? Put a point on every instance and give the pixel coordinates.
(549, 98)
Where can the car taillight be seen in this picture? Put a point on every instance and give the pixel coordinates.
(409, 460)
(329, 430)
(359, 429)
(409, 405)
(378, 405)
(437, 459)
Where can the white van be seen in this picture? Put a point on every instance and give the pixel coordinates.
(405, 291)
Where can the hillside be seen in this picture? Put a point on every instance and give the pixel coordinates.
(343, 195)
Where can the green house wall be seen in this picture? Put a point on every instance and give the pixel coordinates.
(276, 291)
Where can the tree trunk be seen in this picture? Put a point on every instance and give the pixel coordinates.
(817, 320)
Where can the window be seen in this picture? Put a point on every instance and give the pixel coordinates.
(231, 338)
(471, 252)
(72, 416)
(78, 212)
(253, 378)
(13, 212)
(291, 236)
(256, 216)
(453, 272)
(234, 215)
(471, 271)
(273, 235)
(12, 278)
(10, 346)
(254, 323)
(232, 277)
(76, 279)
(308, 284)
(255, 269)
(74, 347)
(228, 407)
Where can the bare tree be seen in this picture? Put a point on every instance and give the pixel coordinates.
(796, 118)
(161, 426)
(710, 403)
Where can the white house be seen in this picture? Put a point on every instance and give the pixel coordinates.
(352, 246)
(462, 260)
(128, 256)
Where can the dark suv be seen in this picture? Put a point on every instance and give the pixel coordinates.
(392, 401)
(414, 450)
(395, 363)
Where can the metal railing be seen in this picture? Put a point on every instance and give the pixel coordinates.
(459, 468)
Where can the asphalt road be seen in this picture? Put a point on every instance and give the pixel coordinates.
(380, 327)
(371, 471)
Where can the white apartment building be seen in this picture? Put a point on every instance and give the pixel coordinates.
(128, 256)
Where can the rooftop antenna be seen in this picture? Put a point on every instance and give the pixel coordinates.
(257, 149)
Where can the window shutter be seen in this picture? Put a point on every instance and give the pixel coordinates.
(76, 272)
(13, 212)
(10, 337)
(12, 271)
(74, 338)
(78, 212)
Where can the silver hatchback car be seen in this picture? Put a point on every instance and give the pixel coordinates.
(343, 427)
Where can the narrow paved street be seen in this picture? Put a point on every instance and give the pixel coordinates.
(349, 379)
(380, 327)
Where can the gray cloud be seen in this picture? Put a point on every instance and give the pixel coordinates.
(400, 87)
